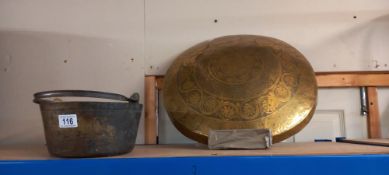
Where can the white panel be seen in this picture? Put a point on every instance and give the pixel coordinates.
(347, 100)
(326, 124)
(114, 19)
(75, 44)
(333, 35)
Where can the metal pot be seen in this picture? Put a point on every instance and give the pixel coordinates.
(89, 129)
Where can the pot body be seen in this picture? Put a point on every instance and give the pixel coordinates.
(90, 129)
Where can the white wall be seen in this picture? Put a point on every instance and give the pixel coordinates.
(110, 45)
(101, 41)
(325, 31)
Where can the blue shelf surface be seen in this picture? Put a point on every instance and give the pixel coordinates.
(270, 165)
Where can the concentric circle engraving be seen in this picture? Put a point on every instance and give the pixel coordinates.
(241, 81)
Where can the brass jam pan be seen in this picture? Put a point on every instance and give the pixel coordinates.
(240, 82)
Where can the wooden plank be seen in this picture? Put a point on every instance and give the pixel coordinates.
(338, 79)
(280, 149)
(352, 79)
(39, 152)
(373, 116)
(376, 142)
(150, 110)
(159, 80)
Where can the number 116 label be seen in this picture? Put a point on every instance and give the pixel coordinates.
(67, 121)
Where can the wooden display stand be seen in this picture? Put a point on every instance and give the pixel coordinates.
(371, 80)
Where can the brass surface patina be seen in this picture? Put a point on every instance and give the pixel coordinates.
(240, 82)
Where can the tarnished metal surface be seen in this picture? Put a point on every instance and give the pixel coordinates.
(240, 82)
(104, 128)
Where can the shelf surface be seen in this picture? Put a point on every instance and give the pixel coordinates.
(155, 151)
(281, 159)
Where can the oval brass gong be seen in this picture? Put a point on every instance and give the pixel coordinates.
(237, 82)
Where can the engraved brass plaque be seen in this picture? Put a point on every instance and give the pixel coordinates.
(240, 82)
